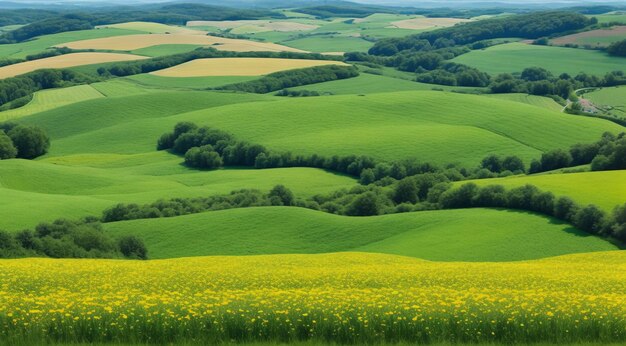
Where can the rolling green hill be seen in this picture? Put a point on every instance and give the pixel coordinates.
(450, 235)
(78, 186)
(433, 127)
(515, 57)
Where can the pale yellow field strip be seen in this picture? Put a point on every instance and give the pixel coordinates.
(427, 23)
(63, 61)
(263, 25)
(132, 42)
(239, 67)
(154, 28)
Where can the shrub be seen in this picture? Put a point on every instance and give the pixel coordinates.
(203, 157)
(30, 141)
(406, 191)
(282, 194)
(590, 219)
(366, 204)
(133, 247)
(7, 149)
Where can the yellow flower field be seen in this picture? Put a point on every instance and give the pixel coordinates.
(348, 297)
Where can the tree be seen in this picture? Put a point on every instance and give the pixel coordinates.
(461, 197)
(7, 149)
(30, 141)
(283, 194)
(619, 223)
(583, 153)
(565, 209)
(133, 247)
(366, 204)
(513, 164)
(490, 196)
(492, 163)
(617, 48)
(590, 219)
(555, 159)
(406, 191)
(367, 176)
(203, 157)
(533, 74)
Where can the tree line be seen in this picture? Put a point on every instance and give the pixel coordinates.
(428, 191)
(70, 239)
(609, 153)
(293, 78)
(617, 48)
(21, 141)
(530, 26)
(52, 22)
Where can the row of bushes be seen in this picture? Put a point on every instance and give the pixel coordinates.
(159, 63)
(24, 142)
(277, 196)
(69, 239)
(609, 153)
(430, 191)
(617, 48)
(293, 78)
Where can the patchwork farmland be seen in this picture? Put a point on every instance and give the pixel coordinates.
(328, 173)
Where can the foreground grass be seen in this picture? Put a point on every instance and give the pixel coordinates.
(445, 235)
(337, 298)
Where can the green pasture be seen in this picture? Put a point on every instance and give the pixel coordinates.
(430, 126)
(611, 100)
(515, 57)
(153, 81)
(52, 98)
(78, 186)
(539, 101)
(165, 49)
(330, 43)
(605, 189)
(449, 235)
(611, 18)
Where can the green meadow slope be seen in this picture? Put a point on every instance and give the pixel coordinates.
(431, 126)
(515, 57)
(605, 189)
(449, 235)
(79, 186)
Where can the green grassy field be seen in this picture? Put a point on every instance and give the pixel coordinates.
(611, 18)
(612, 100)
(539, 101)
(199, 83)
(330, 43)
(450, 235)
(515, 57)
(423, 125)
(39, 44)
(604, 189)
(49, 99)
(78, 186)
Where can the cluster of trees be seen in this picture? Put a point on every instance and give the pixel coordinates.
(454, 74)
(209, 148)
(279, 195)
(12, 89)
(293, 78)
(617, 48)
(24, 142)
(346, 9)
(539, 81)
(588, 218)
(531, 26)
(70, 239)
(24, 16)
(609, 153)
(159, 63)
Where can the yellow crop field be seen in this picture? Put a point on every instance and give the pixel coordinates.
(257, 25)
(347, 297)
(132, 42)
(239, 67)
(427, 23)
(63, 61)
